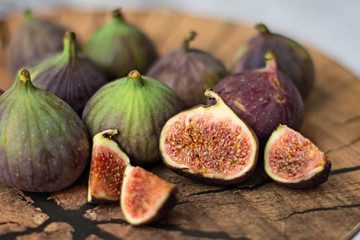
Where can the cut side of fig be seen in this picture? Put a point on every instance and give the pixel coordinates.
(209, 143)
(108, 163)
(294, 161)
(145, 197)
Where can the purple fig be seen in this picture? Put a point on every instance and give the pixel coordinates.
(189, 72)
(292, 58)
(69, 75)
(33, 40)
(264, 98)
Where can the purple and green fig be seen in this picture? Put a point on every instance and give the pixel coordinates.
(264, 98)
(69, 74)
(44, 145)
(189, 72)
(120, 47)
(293, 59)
(138, 106)
(33, 40)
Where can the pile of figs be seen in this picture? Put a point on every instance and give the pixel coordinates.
(116, 106)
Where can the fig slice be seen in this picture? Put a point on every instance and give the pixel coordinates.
(209, 143)
(145, 197)
(292, 160)
(108, 163)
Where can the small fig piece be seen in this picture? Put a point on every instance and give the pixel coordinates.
(145, 197)
(189, 72)
(263, 98)
(293, 59)
(108, 163)
(294, 161)
(209, 143)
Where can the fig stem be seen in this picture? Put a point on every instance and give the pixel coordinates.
(190, 37)
(117, 14)
(209, 93)
(262, 28)
(70, 49)
(109, 133)
(28, 16)
(24, 77)
(135, 78)
(270, 60)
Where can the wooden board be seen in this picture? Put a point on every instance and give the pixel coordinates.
(257, 209)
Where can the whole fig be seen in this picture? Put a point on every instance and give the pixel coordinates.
(120, 47)
(34, 39)
(44, 145)
(189, 72)
(264, 98)
(293, 59)
(138, 106)
(69, 75)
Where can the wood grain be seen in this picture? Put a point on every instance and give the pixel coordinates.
(257, 209)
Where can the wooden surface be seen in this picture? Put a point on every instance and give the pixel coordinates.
(256, 209)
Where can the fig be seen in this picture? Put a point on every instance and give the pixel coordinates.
(293, 59)
(189, 72)
(292, 160)
(69, 75)
(34, 39)
(44, 145)
(264, 98)
(138, 106)
(108, 163)
(145, 197)
(120, 47)
(209, 143)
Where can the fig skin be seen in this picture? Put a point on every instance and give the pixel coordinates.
(209, 152)
(317, 175)
(33, 40)
(108, 163)
(69, 74)
(138, 106)
(293, 58)
(44, 145)
(189, 72)
(148, 185)
(264, 98)
(120, 47)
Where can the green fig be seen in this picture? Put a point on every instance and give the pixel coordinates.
(44, 145)
(120, 47)
(138, 106)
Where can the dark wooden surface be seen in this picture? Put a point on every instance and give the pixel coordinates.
(256, 209)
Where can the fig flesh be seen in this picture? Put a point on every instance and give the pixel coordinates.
(44, 145)
(34, 39)
(120, 47)
(292, 160)
(209, 143)
(138, 106)
(189, 72)
(68, 74)
(293, 59)
(264, 98)
(108, 163)
(145, 197)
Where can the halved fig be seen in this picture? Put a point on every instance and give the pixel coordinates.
(294, 161)
(145, 197)
(108, 163)
(209, 143)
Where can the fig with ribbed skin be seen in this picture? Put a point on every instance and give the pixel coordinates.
(293, 58)
(108, 163)
(189, 72)
(33, 40)
(294, 161)
(264, 98)
(138, 106)
(210, 144)
(69, 75)
(120, 47)
(44, 145)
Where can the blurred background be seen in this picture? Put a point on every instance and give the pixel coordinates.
(332, 27)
